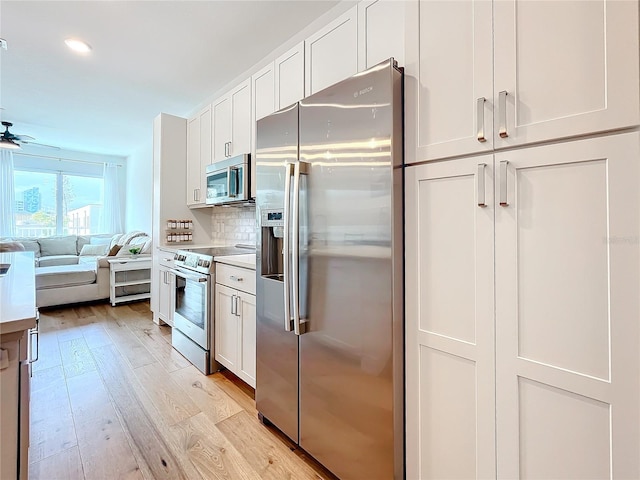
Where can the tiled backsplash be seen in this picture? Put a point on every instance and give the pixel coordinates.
(234, 225)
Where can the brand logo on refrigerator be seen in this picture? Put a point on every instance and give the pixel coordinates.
(362, 92)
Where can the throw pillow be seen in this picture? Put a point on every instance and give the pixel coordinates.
(93, 250)
(114, 240)
(114, 250)
(58, 246)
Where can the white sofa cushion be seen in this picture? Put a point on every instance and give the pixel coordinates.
(55, 260)
(64, 276)
(101, 261)
(93, 250)
(66, 245)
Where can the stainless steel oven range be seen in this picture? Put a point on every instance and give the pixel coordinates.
(192, 334)
(192, 315)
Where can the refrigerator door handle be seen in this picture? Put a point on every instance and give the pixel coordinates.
(299, 326)
(286, 247)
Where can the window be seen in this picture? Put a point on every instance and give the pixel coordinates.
(56, 203)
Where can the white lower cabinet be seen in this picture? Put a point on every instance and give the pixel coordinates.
(235, 321)
(541, 382)
(166, 295)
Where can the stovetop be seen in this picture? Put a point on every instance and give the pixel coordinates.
(201, 259)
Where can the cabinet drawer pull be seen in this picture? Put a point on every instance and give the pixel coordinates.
(233, 304)
(481, 185)
(236, 279)
(237, 305)
(502, 114)
(480, 118)
(503, 183)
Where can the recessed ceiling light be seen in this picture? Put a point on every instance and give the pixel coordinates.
(78, 45)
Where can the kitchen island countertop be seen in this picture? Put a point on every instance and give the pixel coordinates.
(17, 292)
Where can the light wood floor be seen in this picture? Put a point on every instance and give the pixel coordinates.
(112, 400)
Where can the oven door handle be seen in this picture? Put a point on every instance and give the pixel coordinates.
(195, 278)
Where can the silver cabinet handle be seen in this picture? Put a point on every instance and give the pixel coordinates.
(481, 185)
(286, 247)
(34, 332)
(229, 154)
(226, 149)
(480, 118)
(502, 114)
(503, 183)
(237, 305)
(233, 304)
(236, 279)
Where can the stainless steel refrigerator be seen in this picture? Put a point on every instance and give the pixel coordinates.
(330, 274)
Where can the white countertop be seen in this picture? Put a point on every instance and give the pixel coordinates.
(17, 293)
(244, 261)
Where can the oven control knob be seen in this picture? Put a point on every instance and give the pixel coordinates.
(206, 263)
(200, 262)
(176, 257)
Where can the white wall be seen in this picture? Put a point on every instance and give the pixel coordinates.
(139, 190)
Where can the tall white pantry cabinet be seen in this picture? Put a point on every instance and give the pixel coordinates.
(522, 240)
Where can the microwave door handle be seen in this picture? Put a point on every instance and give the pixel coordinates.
(232, 182)
(229, 181)
(286, 246)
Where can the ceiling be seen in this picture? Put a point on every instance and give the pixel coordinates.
(147, 57)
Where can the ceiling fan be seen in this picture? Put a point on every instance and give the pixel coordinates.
(13, 141)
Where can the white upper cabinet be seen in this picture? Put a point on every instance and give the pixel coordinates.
(331, 54)
(232, 122)
(263, 92)
(289, 72)
(380, 32)
(221, 135)
(568, 68)
(448, 73)
(484, 75)
(198, 155)
(193, 160)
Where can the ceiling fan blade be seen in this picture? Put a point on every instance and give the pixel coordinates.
(39, 144)
(22, 138)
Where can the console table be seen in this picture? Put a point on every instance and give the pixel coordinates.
(130, 278)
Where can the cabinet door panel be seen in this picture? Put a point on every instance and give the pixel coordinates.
(241, 119)
(567, 309)
(289, 69)
(166, 295)
(247, 356)
(449, 320)
(193, 160)
(566, 67)
(264, 103)
(331, 55)
(380, 32)
(205, 151)
(226, 328)
(221, 127)
(448, 68)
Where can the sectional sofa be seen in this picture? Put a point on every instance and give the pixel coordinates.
(74, 268)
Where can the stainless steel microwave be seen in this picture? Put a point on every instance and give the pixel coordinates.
(228, 180)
